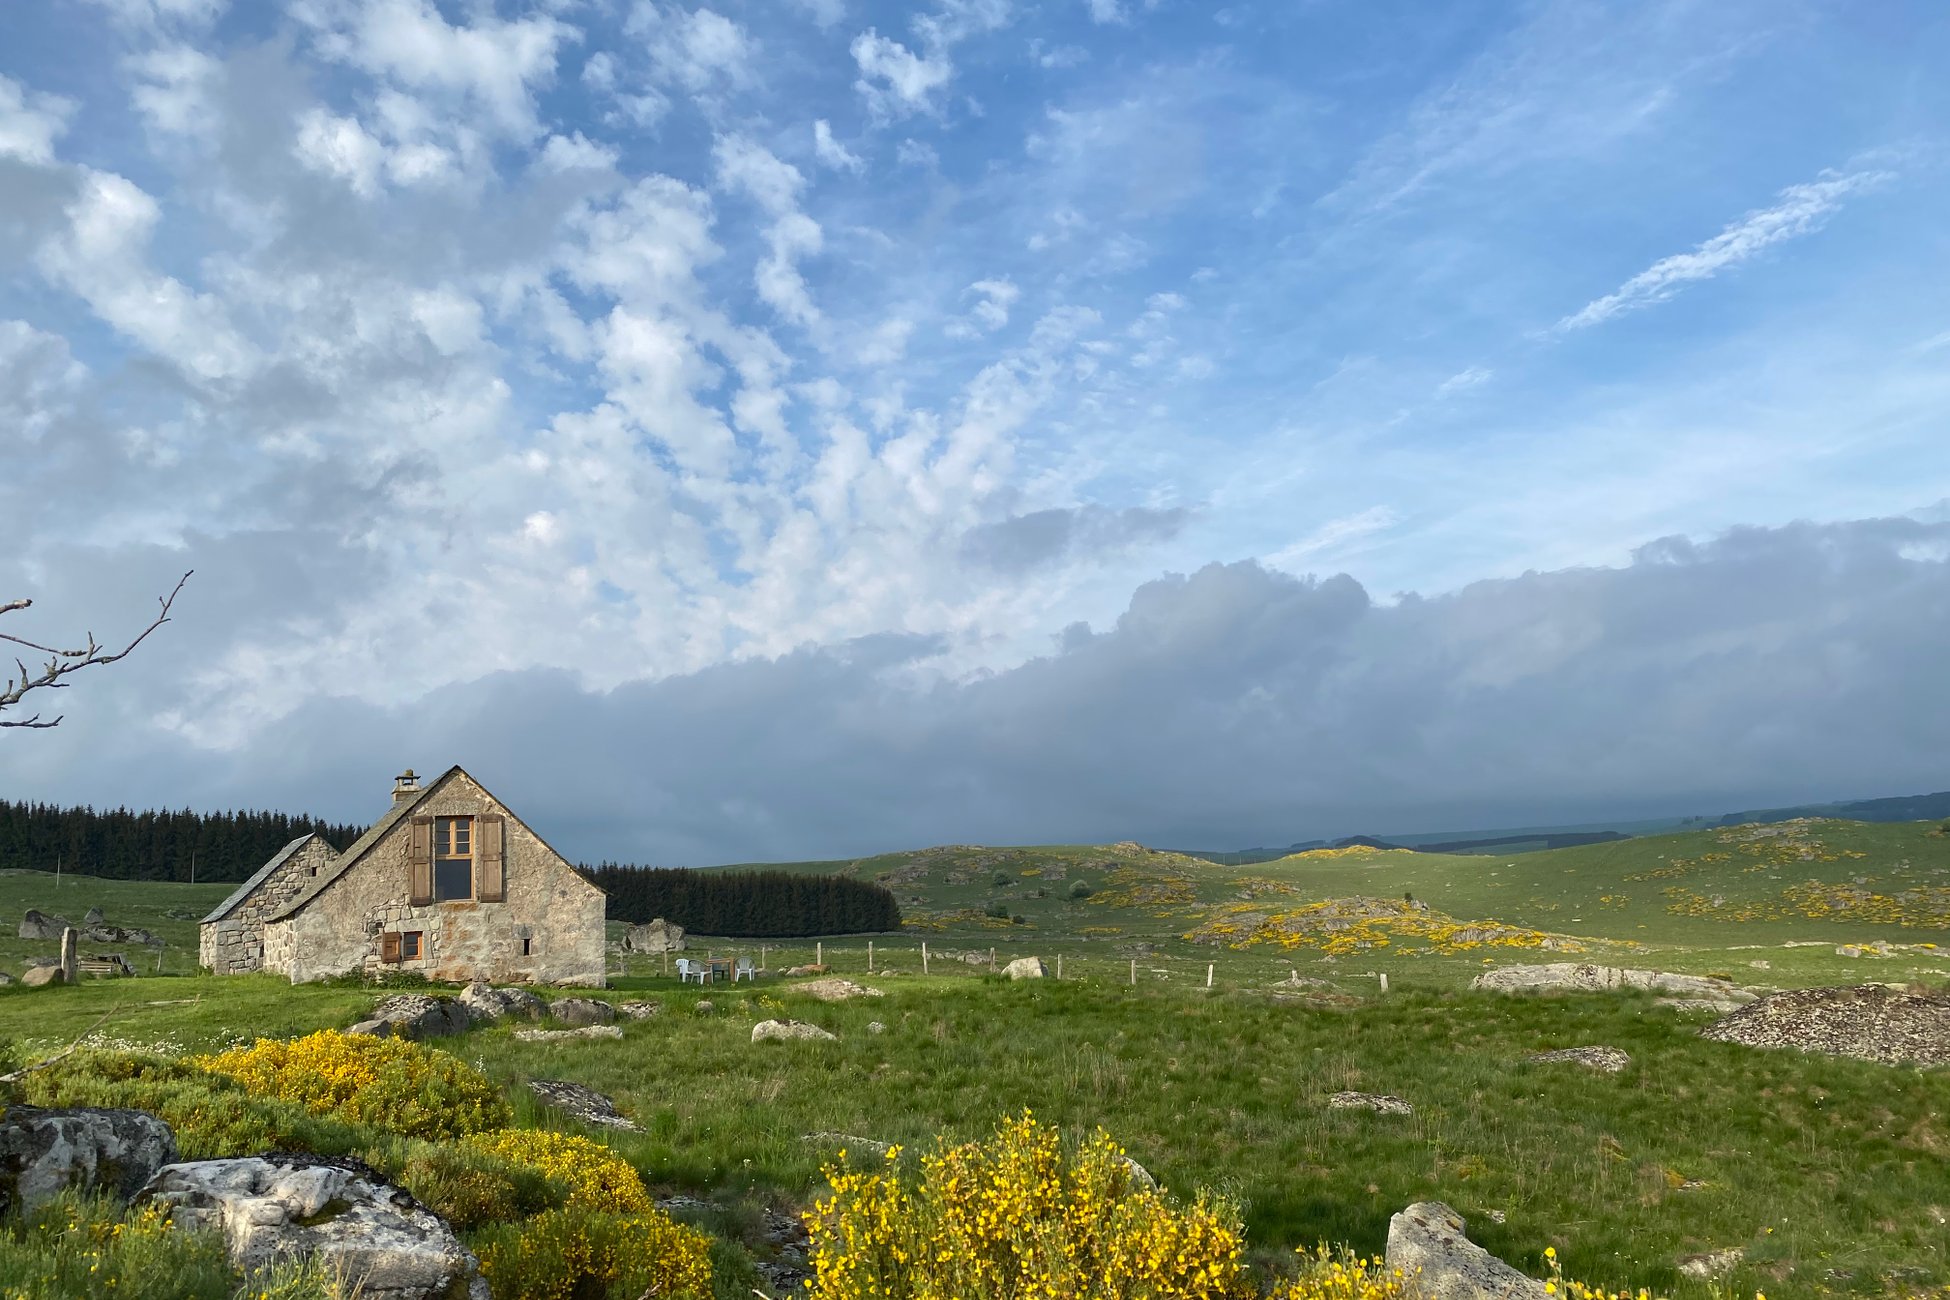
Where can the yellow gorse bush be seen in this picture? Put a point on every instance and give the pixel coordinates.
(1327, 1274)
(575, 1254)
(598, 1178)
(1017, 1216)
(386, 1082)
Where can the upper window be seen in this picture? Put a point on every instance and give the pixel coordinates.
(453, 859)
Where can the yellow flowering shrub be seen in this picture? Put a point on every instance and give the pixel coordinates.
(389, 1083)
(597, 1178)
(1018, 1216)
(579, 1254)
(1342, 1275)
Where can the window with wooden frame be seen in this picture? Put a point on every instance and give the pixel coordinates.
(456, 859)
(412, 945)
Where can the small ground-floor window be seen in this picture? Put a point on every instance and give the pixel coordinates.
(411, 945)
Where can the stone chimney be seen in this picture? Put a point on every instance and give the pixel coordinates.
(406, 786)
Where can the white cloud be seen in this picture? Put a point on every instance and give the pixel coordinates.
(30, 123)
(893, 79)
(1334, 536)
(990, 311)
(1464, 380)
(1105, 11)
(173, 93)
(749, 168)
(917, 153)
(825, 13)
(1802, 209)
(339, 146)
(831, 152)
(700, 51)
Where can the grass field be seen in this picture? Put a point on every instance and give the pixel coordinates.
(1834, 1175)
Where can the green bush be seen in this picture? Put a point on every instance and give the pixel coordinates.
(468, 1186)
(583, 1255)
(211, 1115)
(1003, 878)
(82, 1248)
(1081, 889)
(998, 909)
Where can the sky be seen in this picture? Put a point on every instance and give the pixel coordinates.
(806, 428)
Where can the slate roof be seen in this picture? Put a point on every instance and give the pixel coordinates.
(258, 877)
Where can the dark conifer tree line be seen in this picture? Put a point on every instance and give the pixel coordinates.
(746, 904)
(124, 845)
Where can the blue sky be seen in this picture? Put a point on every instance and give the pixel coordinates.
(465, 348)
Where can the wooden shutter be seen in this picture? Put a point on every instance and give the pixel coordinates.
(389, 947)
(419, 863)
(490, 871)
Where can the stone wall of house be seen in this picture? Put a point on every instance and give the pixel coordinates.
(552, 912)
(235, 945)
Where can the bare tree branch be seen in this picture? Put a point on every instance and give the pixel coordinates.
(60, 663)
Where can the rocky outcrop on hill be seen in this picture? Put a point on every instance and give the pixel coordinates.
(1580, 977)
(1870, 1022)
(1426, 1243)
(45, 1152)
(416, 1016)
(380, 1241)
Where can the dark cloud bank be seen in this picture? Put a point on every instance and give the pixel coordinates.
(1233, 706)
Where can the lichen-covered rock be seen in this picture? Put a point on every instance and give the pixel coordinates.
(1026, 968)
(1606, 1060)
(1710, 1264)
(416, 1016)
(582, 1011)
(42, 976)
(486, 1003)
(655, 936)
(835, 989)
(581, 1103)
(1426, 1242)
(43, 1152)
(642, 1009)
(782, 1031)
(42, 928)
(1870, 1022)
(1379, 1103)
(360, 1228)
(561, 1035)
(1582, 977)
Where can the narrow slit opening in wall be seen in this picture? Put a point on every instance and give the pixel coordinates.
(526, 943)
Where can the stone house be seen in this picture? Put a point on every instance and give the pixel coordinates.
(449, 884)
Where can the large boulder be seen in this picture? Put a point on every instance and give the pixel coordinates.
(582, 1011)
(416, 1016)
(654, 936)
(1427, 1244)
(785, 1031)
(41, 976)
(43, 1152)
(380, 1241)
(1870, 1022)
(42, 928)
(1026, 968)
(485, 1003)
(1582, 977)
(835, 989)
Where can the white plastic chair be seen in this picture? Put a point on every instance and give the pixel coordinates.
(687, 969)
(747, 969)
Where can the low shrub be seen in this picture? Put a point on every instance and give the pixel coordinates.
(1019, 1215)
(76, 1247)
(999, 910)
(1081, 889)
(211, 1115)
(1342, 1275)
(470, 1187)
(596, 1177)
(389, 1083)
(579, 1254)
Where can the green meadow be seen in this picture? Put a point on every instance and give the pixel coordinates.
(1832, 1175)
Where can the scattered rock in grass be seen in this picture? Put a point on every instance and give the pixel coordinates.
(781, 1031)
(559, 1035)
(1295, 980)
(1710, 1264)
(1140, 1175)
(5, 979)
(640, 1010)
(788, 1239)
(1496, 1216)
(338, 1212)
(1426, 1242)
(703, 1007)
(581, 1103)
(582, 1011)
(1026, 968)
(1879, 949)
(41, 976)
(835, 989)
(848, 1142)
(875, 1027)
(810, 968)
(44, 1152)
(416, 1016)
(41, 927)
(487, 1004)
(1581, 977)
(1379, 1103)
(1319, 999)
(1761, 963)
(654, 937)
(1718, 1006)
(1607, 1060)
(1869, 1022)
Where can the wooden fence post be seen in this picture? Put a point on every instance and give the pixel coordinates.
(991, 961)
(819, 952)
(1059, 965)
(924, 956)
(1133, 972)
(1208, 974)
(869, 956)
